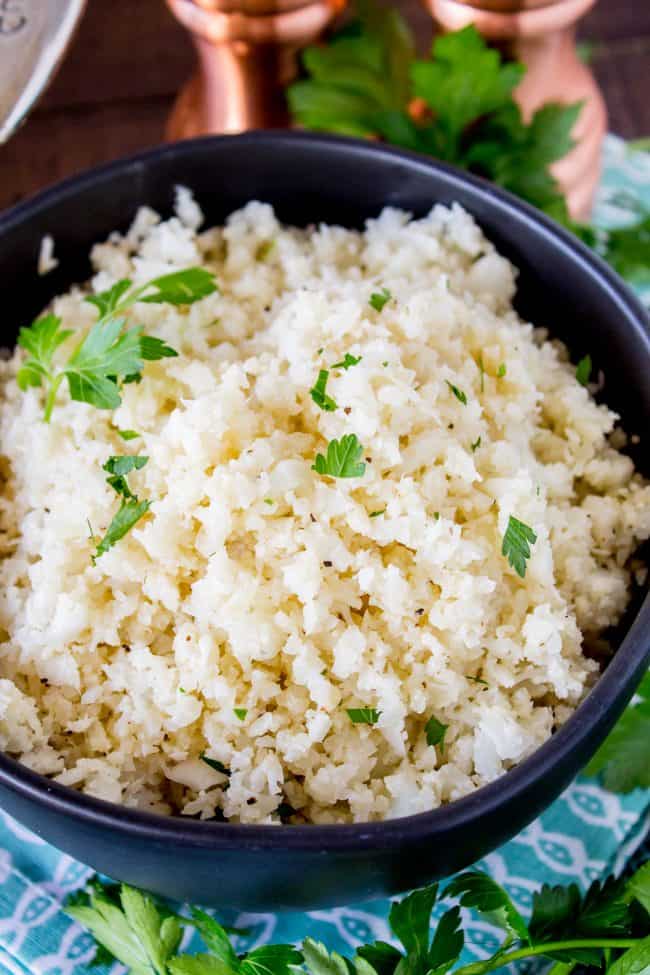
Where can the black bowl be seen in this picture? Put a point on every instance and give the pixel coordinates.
(562, 285)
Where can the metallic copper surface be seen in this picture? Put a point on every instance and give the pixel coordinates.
(247, 53)
(541, 33)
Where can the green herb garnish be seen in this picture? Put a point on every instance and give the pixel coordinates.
(348, 360)
(363, 715)
(240, 713)
(458, 393)
(516, 544)
(378, 299)
(501, 371)
(481, 369)
(583, 370)
(107, 356)
(342, 458)
(131, 509)
(376, 514)
(622, 760)
(435, 731)
(476, 444)
(215, 764)
(128, 434)
(318, 394)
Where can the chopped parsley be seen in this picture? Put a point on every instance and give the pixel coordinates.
(501, 371)
(363, 715)
(240, 713)
(215, 764)
(478, 680)
(476, 444)
(458, 393)
(318, 394)
(347, 361)
(128, 434)
(378, 299)
(131, 509)
(583, 370)
(269, 501)
(516, 544)
(342, 458)
(376, 514)
(435, 731)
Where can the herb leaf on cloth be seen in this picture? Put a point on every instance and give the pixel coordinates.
(622, 760)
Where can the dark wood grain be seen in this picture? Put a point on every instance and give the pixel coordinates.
(116, 86)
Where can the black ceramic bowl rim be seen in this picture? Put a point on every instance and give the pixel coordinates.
(626, 666)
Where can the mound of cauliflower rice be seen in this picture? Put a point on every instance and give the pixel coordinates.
(259, 602)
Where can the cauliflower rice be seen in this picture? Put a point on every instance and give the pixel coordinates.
(256, 583)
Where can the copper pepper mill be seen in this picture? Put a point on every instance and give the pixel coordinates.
(247, 55)
(541, 33)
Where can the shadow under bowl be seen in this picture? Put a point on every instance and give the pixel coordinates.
(562, 285)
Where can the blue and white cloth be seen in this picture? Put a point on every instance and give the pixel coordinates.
(586, 834)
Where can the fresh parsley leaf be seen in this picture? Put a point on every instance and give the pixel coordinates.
(342, 458)
(378, 299)
(383, 958)
(133, 931)
(376, 514)
(447, 944)
(319, 961)
(41, 340)
(240, 713)
(108, 301)
(124, 464)
(622, 760)
(270, 960)
(458, 393)
(348, 361)
(129, 514)
(318, 394)
(215, 935)
(562, 914)
(410, 921)
(106, 353)
(198, 965)
(363, 715)
(179, 287)
(501, 371)
(476, 444)
(152, 348)
(463, 82)
(635, 961)
(361, 75)
(128, 434)
(627, 249)
(435, 731)
(215, 764)
(516, 544)
(583, 370)
(479, 891)
(638, 886)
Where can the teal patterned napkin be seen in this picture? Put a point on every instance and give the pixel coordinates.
(586, 834)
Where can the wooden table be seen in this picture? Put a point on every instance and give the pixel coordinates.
(129, 58)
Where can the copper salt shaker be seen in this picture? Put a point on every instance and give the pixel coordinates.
(541, 33)
(247, 55)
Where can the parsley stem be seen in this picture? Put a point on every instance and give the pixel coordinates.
(480, 967)
(51, 396)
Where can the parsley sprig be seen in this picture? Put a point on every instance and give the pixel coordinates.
(622, 760)
(605, 930)
(131, 509)
(108, 355)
